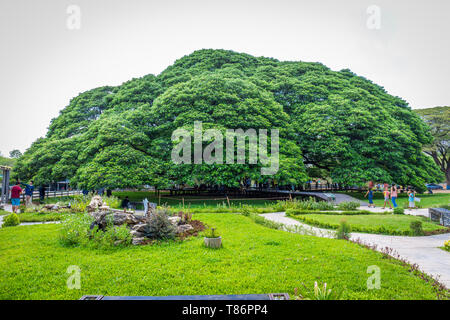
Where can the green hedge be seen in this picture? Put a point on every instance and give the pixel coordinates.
(294, 212)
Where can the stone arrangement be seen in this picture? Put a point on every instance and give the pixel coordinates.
(136, 223)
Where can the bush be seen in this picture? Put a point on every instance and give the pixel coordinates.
(245, 210)
(113, 236)
(159, 226)
(11, 220)
(343, 232)
(416, 228)
(348, 205)
(399, 210)
(75, 230)
(310, 204)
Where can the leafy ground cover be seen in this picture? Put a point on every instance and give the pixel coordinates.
(254, 259)
(371, 223)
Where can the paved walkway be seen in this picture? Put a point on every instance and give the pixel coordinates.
(423, 251)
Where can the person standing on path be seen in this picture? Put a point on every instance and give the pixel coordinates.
(125, 204)
(394, 195)
(411, 198)
(42, 193)
(386, 194)
(16, 191)
(369, 195)
(29, 189)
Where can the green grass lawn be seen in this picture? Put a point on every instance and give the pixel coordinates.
(371, 223)
(195, 202)
(254, 259)
(426, 200)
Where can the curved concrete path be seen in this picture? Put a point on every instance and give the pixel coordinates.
(423, 251)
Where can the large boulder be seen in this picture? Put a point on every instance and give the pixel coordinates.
(139, 227)
(95, 204)
(184, 228)
(174, 220)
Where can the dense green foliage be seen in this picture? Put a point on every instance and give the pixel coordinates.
(254, 259)
(438, 119)
(345, 126)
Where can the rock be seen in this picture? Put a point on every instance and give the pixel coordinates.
(138, 241)
(100, 220)
(139, 227)
(174, 220)
(118, 242)
(183, 228)
(133, 219)
(119, 218)
(136, 234)
(96, 202)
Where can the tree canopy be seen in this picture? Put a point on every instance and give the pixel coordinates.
(333, 122)
(438, 118)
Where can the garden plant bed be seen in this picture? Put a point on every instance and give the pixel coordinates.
(254, 259)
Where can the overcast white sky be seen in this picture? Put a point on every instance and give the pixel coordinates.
(43, 63)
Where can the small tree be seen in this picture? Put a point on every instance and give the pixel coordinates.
(15, 154)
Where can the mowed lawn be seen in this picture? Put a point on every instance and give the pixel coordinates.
(370, 223)
(254, 259)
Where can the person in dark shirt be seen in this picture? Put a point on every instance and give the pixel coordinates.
(125, 204)
(41, 193)
(29, 189)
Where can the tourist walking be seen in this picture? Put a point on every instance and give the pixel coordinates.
(411, 198)
(16, 191)
(42, 193)
(125, 204)
(369, 195)
(29, 189)
(394, 195)
(386, 194)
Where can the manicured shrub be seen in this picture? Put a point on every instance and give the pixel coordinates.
(399, 210)
(348, 205)
(416, 228)
(11, 220)
(343, 232)
(159, 226)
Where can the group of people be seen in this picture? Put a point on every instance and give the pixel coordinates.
(17, 191)
(390, 196)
